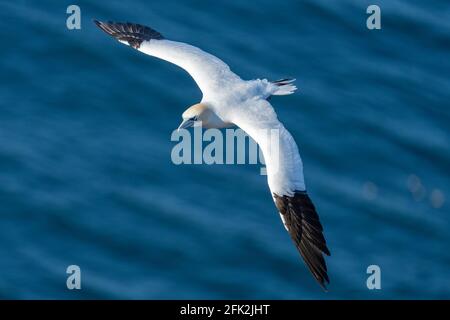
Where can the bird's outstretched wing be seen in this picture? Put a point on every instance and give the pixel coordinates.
(209, 72)
(285, 177)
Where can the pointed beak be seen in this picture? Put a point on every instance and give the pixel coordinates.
(186, 124)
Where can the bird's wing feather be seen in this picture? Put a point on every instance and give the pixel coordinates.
(209, 72)
(283, 163)
(285, 177)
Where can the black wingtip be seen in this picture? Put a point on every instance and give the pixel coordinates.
(132, 33)
(323, 282)
(102, 26)
(303, 224)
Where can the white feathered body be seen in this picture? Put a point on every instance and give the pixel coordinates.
(242, 103)
(232, 100)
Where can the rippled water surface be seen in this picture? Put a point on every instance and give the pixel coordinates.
(86, 176)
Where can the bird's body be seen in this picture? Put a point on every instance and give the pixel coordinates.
(228, 100)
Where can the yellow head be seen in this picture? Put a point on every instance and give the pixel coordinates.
(198, 113)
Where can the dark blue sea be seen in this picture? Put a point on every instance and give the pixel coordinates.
(86, 176)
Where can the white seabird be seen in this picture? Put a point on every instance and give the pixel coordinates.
(228, 100)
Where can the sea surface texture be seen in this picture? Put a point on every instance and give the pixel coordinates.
(87, 178)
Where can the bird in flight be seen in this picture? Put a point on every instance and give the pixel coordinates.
(227, 101)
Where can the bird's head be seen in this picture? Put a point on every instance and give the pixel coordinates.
(195, 115)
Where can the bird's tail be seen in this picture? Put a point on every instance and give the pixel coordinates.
(283, 87)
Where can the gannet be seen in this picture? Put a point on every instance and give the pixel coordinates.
(227, 101)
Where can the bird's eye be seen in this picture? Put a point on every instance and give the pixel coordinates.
(194, 118)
